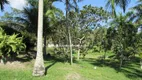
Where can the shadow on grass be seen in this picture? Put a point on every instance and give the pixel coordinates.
(53, 58)
(132, 72)
(57, 58)
(46, 68)
(130, 69)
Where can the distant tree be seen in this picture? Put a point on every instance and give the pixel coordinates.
(70, 4)
(139, 47)
(88, 21)
(122, 36)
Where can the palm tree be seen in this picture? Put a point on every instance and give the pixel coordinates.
(2, 2)
(30, 19)
(51, 16)
(39, 69)
(137, 12)
(111, 4)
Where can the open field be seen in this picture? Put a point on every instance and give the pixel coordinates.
(90, 68)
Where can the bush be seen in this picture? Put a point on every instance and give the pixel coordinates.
(10, 45)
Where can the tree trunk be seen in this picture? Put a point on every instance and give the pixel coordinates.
(44, 47)
(121, 60)
(70, 44)
(79, 47)
(105, 55)
(39, 69)
(69, 35)
(141, 63)
(1, 61)
(78, 53)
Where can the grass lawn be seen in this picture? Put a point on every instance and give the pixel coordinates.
(81, 70)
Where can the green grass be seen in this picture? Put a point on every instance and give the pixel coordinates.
(81, 70)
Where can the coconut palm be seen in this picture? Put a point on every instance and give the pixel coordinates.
(2, 2)
(111, 4)
(30, 19)
(137, 12)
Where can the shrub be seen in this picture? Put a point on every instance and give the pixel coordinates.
(10, 45)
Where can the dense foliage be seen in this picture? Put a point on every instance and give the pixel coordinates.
(10, 45)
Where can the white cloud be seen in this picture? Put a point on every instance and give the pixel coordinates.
(18, 4)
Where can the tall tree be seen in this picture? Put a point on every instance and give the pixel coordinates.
(123, 37)
(2, 2)
(39, 69)
(70, 4)
(88, 20)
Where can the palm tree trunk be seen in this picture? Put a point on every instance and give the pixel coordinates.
(39, 69)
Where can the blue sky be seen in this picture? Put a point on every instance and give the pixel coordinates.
(98, 3)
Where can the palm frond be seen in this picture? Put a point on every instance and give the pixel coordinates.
(112, 4)
(2, 2)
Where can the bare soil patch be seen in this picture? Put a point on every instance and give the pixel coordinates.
(73, 76)
(15, 65)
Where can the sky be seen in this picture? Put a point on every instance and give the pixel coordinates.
(19, 4)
